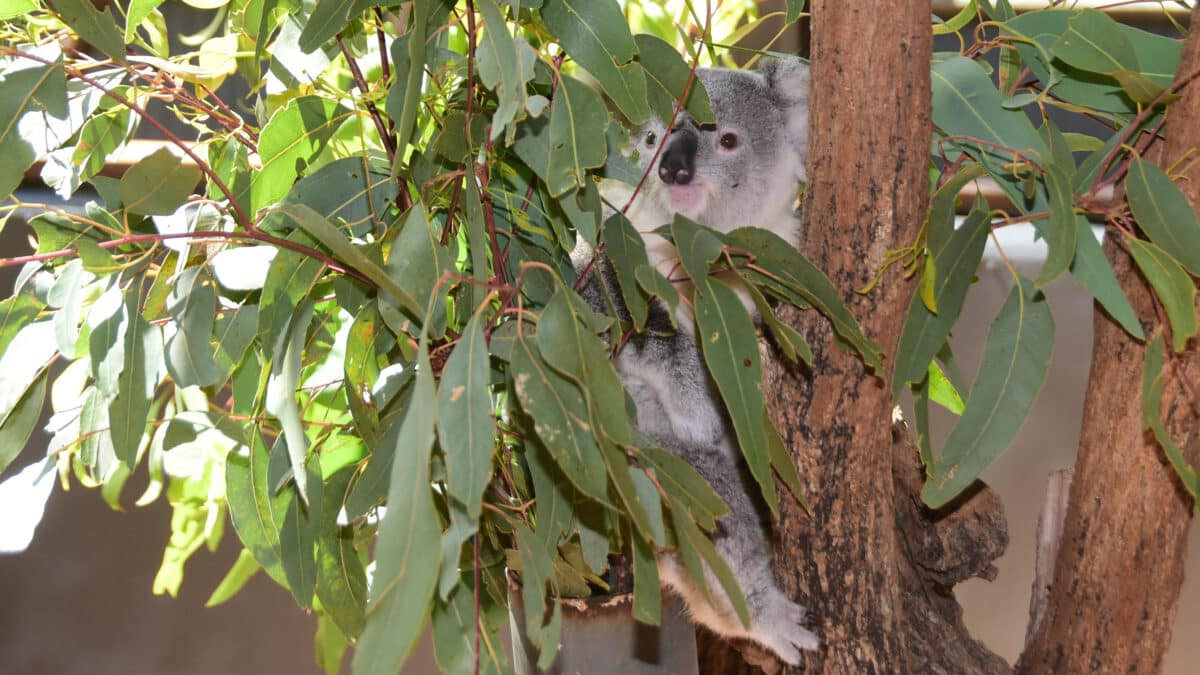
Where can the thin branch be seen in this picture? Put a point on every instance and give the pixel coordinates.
(239, 213)
(389, 142)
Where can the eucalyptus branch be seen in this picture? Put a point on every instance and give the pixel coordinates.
(389, 142)
(384, 67)
(239, 213)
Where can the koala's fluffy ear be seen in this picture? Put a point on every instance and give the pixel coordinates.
(788, 79)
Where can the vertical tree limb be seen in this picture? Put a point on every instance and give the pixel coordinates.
(1120, 563)
(867, 193)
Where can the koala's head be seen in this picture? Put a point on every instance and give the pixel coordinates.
(744, 169)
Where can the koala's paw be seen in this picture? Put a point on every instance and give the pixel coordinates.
(781, 628)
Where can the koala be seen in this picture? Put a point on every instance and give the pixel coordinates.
(744, 170)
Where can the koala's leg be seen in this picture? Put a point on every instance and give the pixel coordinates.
(775, 621)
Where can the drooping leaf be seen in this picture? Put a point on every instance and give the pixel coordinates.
(925, 332)
(596, 34)
(193, 304)
(244, 569)
(1164, 213)
(798, 281)
(404, 99)
(130, 408)
(290, 277)
(406, 567)
(573, 140)
(17, 423)
(1015, 361)
(562, 417)
(281, 393)
(350, 192)
(1174, 288)
(505, 66)
(1153, 382)
(341, 577)
(327, 20)
(1060, 228)
(467, 427)
(249, 498)
(1092, 270)
(301, 525)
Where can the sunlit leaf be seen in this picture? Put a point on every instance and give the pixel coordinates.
(595, 33)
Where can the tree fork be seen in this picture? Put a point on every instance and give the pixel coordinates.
(1120, 563)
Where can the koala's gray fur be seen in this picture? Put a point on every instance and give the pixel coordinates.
(754, 182)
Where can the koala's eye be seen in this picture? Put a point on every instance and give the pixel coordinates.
(651, 139)
(729, 140)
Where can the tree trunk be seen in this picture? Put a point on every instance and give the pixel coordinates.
(868, 559)
(1120, 563)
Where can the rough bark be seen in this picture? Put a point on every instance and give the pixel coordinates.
(1120, 562)
(848, 557)
(936, 549)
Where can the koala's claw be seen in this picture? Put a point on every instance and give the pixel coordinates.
(782, 630)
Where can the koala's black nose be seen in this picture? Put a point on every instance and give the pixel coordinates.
(678, 164)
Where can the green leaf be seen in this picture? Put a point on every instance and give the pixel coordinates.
(290, 141)
(942, 392)
(1164, 213)
(1172, 285)
(562, 149)
(1094, 42)
(667, 76)
(99, 138)
(15, 313)
(330, 236)
(689, 537)
(685, 485)
(301, 522)
(1016, 358)
(106, 343)
(596, 35)
(406, 567)
(30, 90)
(249, 497)
(1153, 382)
(95, 27)
(627, 253)
(290, 277)
(138, 11)
(14, 8)
(1092, 269)
(562, 418)
(341, 577)
(404, 98)
(967, 104)
(1060, 230)
(802, 281)
(416, 263)
(158, 184)
(782, 462)
(281, 393)
(129, 410)
(327, 20)
(244, 568)
(647, 589)
(349, 192)
(193, 304)
(793, 10)
(505, 66)
(18, 422)
(467, 426)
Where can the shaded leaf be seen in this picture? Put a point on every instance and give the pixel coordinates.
(1164, 213)
(406, 566)
(1015, 362)
(1173, 287)
(18, 422)
(1153, 381)
(281, 393)
(292, 139)
(95, 27)
(193, 304)
(467, 427)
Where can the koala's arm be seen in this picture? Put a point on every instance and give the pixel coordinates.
(776, 622)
